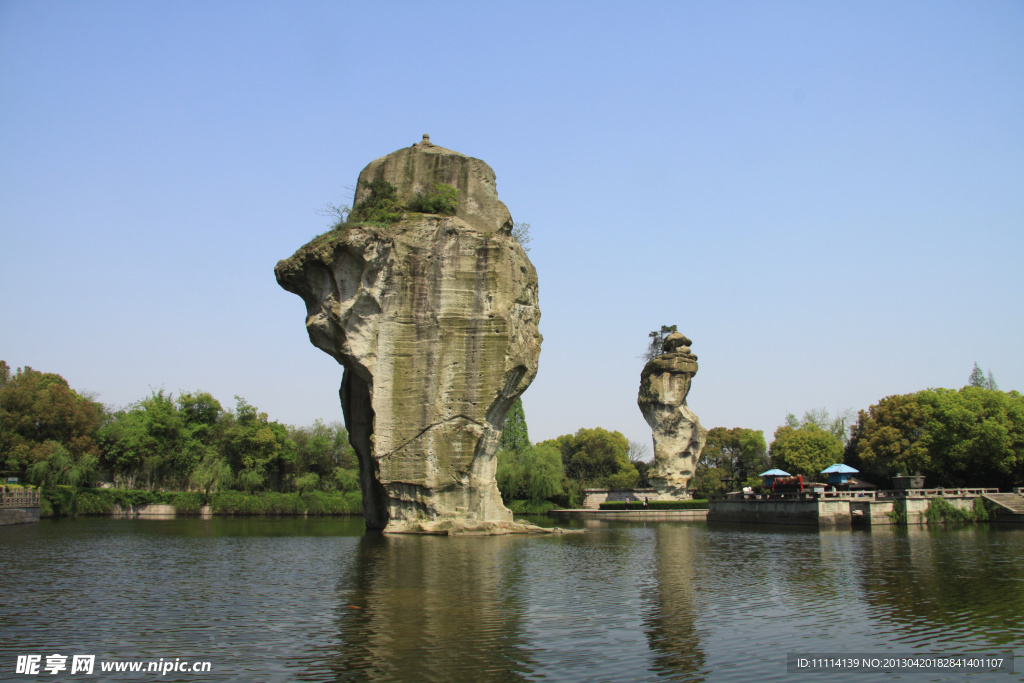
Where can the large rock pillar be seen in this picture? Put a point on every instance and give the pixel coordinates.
(434, 319)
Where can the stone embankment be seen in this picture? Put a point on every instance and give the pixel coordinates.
(18, 506)
(840, 508)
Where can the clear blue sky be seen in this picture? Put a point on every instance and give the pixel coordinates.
(827, 197)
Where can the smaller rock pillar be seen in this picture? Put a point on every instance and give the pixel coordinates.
(678, 435)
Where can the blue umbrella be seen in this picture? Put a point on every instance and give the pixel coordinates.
(775, 473)
(839, 469)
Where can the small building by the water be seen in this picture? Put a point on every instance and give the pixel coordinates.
(769, 477)
(839, 474)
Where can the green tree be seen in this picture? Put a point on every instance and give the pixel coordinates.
(251, 445)
(533, 473)
(740, 453)
(148, 444)
(806, 450)
(514, 434)
(730, 456)
(970, 437)
(980, 380)
(707, 482)
(838, 425)
(61, 466)
(320, 449)
(380, 206)
(596, 457)
(977, 378)
(39, 409)
(657, 340)
(211, 475)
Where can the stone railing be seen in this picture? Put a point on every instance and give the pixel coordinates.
(594, 497)
(862, 495)
(19, 499)
(934, 493)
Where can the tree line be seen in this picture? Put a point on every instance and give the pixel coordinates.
(535, 477)
(51, 435)
(973, 436)
(968, 437)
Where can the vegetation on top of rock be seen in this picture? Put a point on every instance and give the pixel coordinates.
(381, 207)
(338, 213)
(443, 199)
(657, 340)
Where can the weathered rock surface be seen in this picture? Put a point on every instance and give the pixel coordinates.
(415, 169)
(435, 322)
(678, 436)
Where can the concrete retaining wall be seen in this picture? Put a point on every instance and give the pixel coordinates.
(157, 511)
(767, 511)
(634, 515)
(12, 515)
(594, 497)
(825, 512)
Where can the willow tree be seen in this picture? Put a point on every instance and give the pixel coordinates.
(515, 436)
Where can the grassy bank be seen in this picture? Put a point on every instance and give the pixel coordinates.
(67, 501)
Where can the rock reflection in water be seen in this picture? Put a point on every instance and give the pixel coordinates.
(430, 608)
(670, 621)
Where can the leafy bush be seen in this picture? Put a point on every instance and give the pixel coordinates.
(443, 199)
(58, 501)
(95, 502)
(132, 497)
(268, 503)
(381, 207)
(656, 505)
(186, 502)
(45, 508)
(942, 511)
(898, 514)
(531, 507)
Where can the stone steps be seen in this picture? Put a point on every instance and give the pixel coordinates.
(1010, 502)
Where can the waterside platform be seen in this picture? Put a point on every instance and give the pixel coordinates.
(19, 507)
(633, 515)
(854, 508)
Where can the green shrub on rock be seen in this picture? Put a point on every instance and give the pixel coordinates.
(380, 208)
(442, 199)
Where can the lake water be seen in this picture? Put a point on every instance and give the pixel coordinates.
(292, 599)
